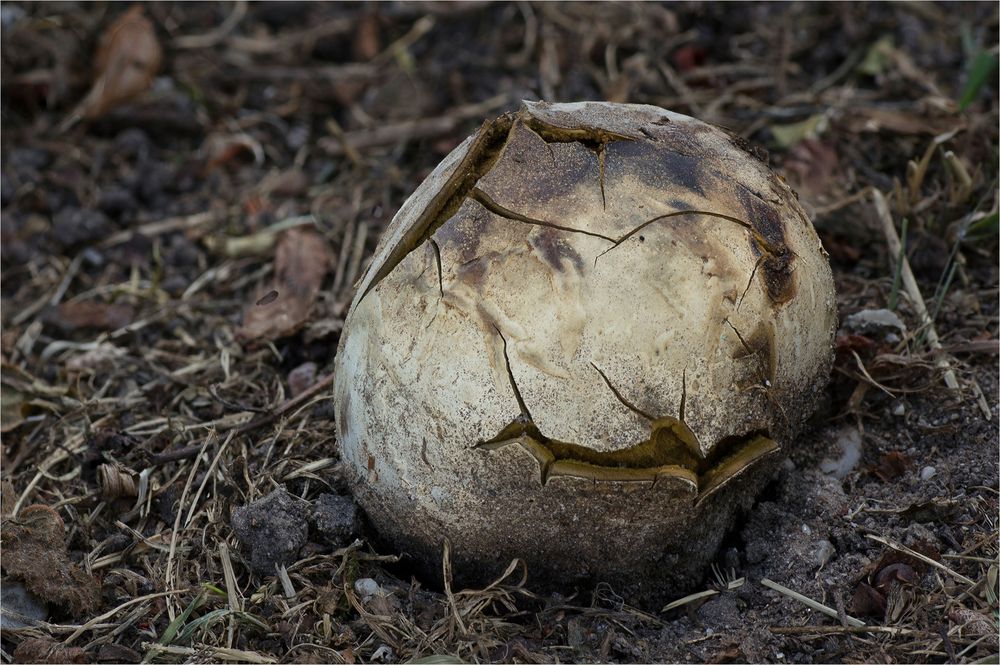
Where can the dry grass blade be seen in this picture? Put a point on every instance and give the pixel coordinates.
(923, 557)
(809, 602)
(690, 598)
(910, 284)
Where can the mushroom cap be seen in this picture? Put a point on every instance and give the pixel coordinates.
(583, 341)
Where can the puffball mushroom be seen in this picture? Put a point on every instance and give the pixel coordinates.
(583, 342)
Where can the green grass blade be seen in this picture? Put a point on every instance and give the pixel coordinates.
(983, 67)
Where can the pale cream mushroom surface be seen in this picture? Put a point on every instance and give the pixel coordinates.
(584, 341)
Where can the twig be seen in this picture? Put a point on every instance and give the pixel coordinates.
(110, 613)
(411, 129)
(174, 455)
(834, 630)
(809, 602)
(288, 404)
(160, 227)
(168, 576)
(917, 555)
(910, 284)
(205, 650)
(205, 479)
(689, 599)
(213, 37)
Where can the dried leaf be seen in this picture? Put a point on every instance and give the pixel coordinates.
(867, 602)
(689, 57)
(811, 165)
(899, 573)
(220, 149)
(13, 404)
(70, 316)
(7, 497)
(34, 551)
(301, 261)
(891, 465)
(290, 182)
(128, 57)
(302, 378)
(872, 119)
(46, 650)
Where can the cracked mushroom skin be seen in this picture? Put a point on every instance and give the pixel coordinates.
(583, 342)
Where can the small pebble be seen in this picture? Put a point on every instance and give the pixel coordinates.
(927, 473)
(898, 409)
(824, 552)
(302, 378)
(366, 587)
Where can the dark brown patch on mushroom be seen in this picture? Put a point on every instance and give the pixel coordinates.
(656, 165)
(462, 233)
(473, 273)
(776, 268)
(552, 246)
(557, 169)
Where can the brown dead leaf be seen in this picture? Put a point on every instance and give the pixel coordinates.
(811, 165)
(128, 57)
(889, 557)
(895, 573)
(302, 378)
(46, 650)
(70, 316)
(13, 408)
(220, 149)
(301, 261)
(867, 602)
(34, 551)
(890, 466)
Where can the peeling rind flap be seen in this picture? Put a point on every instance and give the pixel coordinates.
(402, 232)
(594, 116)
